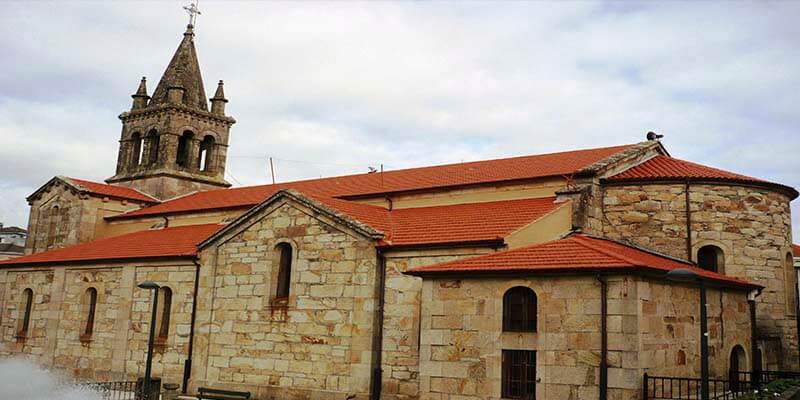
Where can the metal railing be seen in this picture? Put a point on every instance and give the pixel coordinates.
(126, 390)
(738, 384)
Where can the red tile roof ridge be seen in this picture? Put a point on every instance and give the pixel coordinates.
(795, 250)
(86, 185)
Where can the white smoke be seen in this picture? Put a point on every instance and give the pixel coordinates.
(23, 380)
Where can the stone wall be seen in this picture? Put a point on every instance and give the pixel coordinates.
(462, 337)
(401, 327)
(320, 343)
(751, 225)
(669, 329)
(117, 347)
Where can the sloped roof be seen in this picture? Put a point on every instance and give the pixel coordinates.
(11, 248)
(412, 179)
(573, 253)
(104, 189)
(12, 229)
(178, 241)
(461, 223)
(664, 168)
(796, 250)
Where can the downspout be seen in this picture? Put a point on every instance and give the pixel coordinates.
(688, 223)
(377, 330)
(187, 365)
(755, 356)
(603, 337)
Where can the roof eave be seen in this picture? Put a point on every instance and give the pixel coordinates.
(791, 192)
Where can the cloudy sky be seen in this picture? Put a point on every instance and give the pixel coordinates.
(335, 87)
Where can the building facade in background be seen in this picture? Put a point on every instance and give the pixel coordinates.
(537, 275)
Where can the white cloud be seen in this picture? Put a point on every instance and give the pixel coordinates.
(346, 85)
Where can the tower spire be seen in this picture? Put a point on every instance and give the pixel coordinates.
(140, 98)
(183, 71)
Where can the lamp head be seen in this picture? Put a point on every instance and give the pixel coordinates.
(148, 285)
(682, 275)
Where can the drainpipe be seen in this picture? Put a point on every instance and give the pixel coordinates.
(603, 336)
(688, 222)
(377, 330)
(187, 365)
(755, 356)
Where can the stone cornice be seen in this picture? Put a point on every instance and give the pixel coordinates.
(158, 109)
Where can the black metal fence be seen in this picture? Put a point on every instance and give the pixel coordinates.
(738, 384)
(126, 390)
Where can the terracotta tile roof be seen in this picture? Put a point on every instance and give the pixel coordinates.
(178, 241)
(664, 168)
(479, 172)
(796, 250)
(119, 192)
(465, 222)
(574, 253)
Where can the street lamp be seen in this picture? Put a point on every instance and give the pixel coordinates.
(689, 276)
(149, 285)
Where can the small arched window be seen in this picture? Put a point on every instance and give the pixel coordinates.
(164, 312)
(790, 280)
(136, 149)
(738, 363)
(153, 143)
(519, 310)
(711, 258)
(284, 270)
(89, 309)
(184, 144)
(206, 153)
(25, 308)
(680, 358)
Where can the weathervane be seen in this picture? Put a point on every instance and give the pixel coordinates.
(193, 11)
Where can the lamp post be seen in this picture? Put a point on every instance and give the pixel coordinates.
(689, 276)
(149, 285)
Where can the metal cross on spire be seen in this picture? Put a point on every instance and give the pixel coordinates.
(193, 11)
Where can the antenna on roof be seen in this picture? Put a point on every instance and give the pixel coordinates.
(372, 170)
(272, 170)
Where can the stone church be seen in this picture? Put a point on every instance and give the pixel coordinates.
(540, 276)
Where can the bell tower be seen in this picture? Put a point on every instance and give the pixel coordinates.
(171, 143)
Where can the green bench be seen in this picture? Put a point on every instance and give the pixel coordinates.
(217, 394)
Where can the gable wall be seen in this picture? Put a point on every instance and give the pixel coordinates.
(322, 343)
(78, 218)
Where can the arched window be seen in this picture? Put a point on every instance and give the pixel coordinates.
(680, 358)
(711, 258)
(89, 309)
(24, 317)
(137, 149)
(164, 312)
(206, 153)
(791, 284)
(284, 270)
(519, 310)
(153, 142)
(184, 145)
